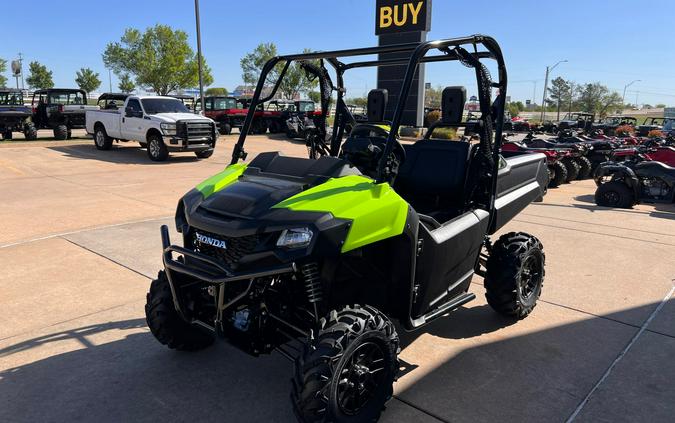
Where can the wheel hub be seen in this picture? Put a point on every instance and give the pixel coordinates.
(360, 377)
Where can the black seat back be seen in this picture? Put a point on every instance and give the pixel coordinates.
(453, 100)
(433, 176)
(377, 105)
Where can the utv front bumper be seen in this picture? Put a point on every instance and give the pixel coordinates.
(205, 269)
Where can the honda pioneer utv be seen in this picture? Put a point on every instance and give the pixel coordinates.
(314, 258)
(60, 109)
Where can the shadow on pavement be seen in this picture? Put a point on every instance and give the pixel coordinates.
(120, 154)
(536, 376)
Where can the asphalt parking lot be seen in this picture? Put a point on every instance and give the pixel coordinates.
(80, 243)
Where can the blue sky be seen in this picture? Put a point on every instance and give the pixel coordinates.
(613, 42)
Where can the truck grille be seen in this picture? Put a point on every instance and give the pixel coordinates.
(200, 132)
(234, 247)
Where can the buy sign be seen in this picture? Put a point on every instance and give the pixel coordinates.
(402, 16)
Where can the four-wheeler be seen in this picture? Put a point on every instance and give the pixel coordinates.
(227, 111)
(563, 165)
(633, 181)
(582, 121)
(650, 124)
(315, 258)
(160, 124)
(595, 151)
(14, 115)
(60, 109)
(663, 154)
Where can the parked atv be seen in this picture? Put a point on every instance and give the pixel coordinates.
(634, 181)
(562, 164)
(594, 152)
(315, 258)
(14, 116)
(60, 109)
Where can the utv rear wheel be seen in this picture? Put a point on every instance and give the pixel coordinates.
(165, 323)
(585, 167)
(157, 151)
(515, 274)
(559, 174)
(101, 139)
(572, 169)
(225, 129)
(61, 132)
(347, 373)
(7, 135)
(614, 194)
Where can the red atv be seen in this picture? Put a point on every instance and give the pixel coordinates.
(556, 160)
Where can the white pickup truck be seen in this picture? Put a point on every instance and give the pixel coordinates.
(161, 124)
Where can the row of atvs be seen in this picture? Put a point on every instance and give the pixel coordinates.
(627, 170)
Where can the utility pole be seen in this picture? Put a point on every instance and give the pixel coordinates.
(543, 101)
(21, 63)
(199, 57)
(534, 91)
(110, 79)
(625, 87)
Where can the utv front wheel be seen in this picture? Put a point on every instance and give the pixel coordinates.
(515, 274)
(347, 373)
(30, 132)
(61, 132)
(165, 323)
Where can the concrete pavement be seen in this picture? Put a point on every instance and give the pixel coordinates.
(80, 244)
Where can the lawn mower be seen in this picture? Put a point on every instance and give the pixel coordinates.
(315, 258)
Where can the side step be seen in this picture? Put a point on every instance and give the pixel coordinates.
(456, 302)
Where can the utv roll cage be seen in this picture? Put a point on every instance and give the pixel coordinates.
(450, 49)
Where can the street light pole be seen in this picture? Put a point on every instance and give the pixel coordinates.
(543, 101)
(199, 57)
(623, 99)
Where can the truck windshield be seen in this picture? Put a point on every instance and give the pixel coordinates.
(11, 98)
(66, 98)
(154, 106)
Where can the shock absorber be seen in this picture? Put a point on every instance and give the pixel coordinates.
(310, 274)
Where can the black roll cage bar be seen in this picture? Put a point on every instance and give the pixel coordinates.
(418, 51)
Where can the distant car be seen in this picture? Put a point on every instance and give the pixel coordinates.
(60, 109)
(161, 124)
(14, 115)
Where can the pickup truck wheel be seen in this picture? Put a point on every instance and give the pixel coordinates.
(515, 274)
(166, 324)
(30, 132)
(157, 151)
(346, 373)
(614, 194)
(204, 154)
(225, 129)
(101, 139)
(61, 132)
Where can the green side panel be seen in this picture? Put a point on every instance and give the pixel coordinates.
(376, 211)
(221, 180)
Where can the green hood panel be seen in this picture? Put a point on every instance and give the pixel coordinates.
(376, 211)
(220, 180)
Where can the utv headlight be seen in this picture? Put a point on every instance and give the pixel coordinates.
(168, 128)
(295, 238)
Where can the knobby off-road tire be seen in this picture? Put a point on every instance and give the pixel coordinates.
(61, 132)
(157, 150)
(572, 169)
(101, 139)
(165, 323)
(559, 174)
(614, 194)
(225, 129)
(585, 167)
(30, 132)
(204, 154)
(7, 135)
(346, 373)
(515, 274)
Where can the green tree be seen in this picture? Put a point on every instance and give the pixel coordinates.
(253, 62)
(661, 106)
(597, 98)
(159, 58)
(216, 91)
(513, 109)
(126, 84)
(358, 101)
(519, 106)
(87, 79)
(3, 69)
(315, 96)
(432, 96)
(557, 93)
(39, 77)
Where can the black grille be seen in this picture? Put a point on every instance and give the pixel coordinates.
(199, 132)
(235, 247)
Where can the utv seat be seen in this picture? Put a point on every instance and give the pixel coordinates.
(433, 176)
(274, 162)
